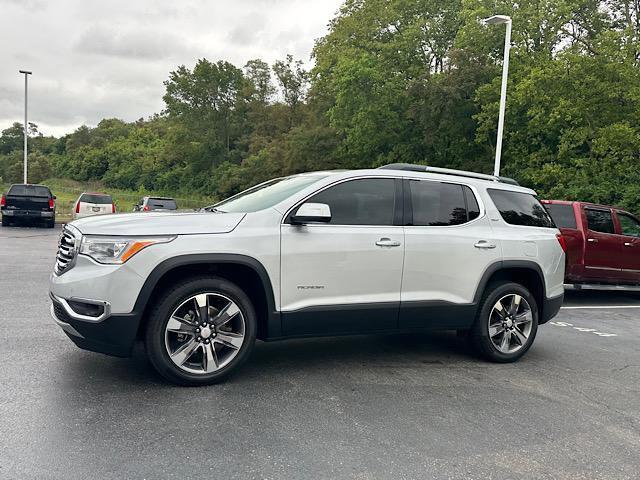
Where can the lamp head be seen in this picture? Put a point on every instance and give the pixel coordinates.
(25, 72)
(496, 20)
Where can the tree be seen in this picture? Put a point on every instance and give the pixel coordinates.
(293, 80)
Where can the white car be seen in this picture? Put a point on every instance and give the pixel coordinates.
(400, 248)
(90, 204)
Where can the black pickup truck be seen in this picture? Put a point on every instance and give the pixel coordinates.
(30, 203)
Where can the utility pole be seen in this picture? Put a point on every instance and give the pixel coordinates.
(26, 125)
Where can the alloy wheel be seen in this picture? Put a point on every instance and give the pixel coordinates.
(510, 323)
(205, 333)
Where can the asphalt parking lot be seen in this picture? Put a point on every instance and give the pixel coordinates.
(371, 407)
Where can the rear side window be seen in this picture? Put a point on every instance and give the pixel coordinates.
(29, 191)
(473, 209)
(93, 198)
(441, 204)
(599, 220)
(562, 215)
(360, 202)
(168, 204)
(517, 208)
(630, 226)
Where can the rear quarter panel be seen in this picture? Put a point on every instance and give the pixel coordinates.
(535, 244)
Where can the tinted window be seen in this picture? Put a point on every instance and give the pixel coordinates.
(518, 208)
(473, 209)
(599, 220)
(630, 226)
(438, 204)
(29, 190)
(94, 198)
(266, 194)
(360, 202)
(562, 215)
(164, 203)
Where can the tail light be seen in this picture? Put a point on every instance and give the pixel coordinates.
(562, 241)
(3, 201)
(145, 208)
(77, 207)
(113, 207)
(52, 203)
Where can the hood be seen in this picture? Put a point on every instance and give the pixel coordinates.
(161, 223)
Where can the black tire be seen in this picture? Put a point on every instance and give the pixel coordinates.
(479, 334)
(51, 223)
(5, 221)
(167, 304)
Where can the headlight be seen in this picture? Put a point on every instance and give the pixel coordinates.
(116, 250)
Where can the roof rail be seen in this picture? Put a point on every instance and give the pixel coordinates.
(447, 171)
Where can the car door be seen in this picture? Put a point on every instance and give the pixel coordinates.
(602, 246)
(449, 244)
(630, 258)
(344, 276)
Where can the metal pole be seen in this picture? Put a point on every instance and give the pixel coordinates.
(503, 97)
(26, 130)
(26, 125)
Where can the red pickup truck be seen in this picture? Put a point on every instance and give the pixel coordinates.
(603, 243)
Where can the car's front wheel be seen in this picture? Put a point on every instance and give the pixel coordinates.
(506, 323)
(200, 331)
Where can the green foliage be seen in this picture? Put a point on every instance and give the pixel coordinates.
(394, 81)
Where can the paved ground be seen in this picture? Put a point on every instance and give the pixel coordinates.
(404, 406)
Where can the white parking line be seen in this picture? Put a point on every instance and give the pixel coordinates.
(602, 307)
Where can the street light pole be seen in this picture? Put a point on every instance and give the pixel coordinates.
(498, 20)
(26, 127)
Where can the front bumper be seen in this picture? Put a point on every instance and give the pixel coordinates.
(112, 335)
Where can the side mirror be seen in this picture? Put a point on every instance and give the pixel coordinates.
(54, 197)
(312, 213)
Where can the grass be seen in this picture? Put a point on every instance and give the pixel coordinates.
(68, 191)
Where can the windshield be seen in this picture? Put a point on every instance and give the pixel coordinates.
(29, 190)
(96, 198)
(162, 204)
(266, 194)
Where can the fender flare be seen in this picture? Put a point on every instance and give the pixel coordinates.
(274, 326)
(505, 265)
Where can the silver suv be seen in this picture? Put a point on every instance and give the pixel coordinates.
(400, 248)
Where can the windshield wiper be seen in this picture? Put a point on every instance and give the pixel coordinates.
(213, 210)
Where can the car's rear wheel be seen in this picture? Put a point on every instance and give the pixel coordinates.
(5, 221)
(201, 331)
(507, 322)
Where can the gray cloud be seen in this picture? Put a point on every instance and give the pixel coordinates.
(138, 44)
(248, 29)
(92, 60)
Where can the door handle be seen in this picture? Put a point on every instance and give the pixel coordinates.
(485, 244)
(628, 244)
(387, 242)
(592, 240)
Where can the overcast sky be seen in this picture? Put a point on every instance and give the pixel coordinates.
(94, 59)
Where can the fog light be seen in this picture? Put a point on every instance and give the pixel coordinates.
(87, 309)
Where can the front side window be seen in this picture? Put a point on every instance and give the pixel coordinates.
(369, 201)
(599, 220)
(517, 208)
(441, 204)
(630, 226)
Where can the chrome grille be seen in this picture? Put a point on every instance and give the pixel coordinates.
(67, 251)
